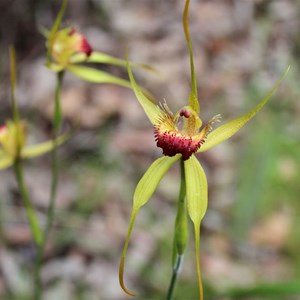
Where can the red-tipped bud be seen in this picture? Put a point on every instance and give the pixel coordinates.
(66, 43)
(82, 44)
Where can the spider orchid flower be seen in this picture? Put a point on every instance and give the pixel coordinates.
(67, 48)
(181, 136)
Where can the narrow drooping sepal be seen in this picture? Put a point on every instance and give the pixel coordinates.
(96, 76)
(151, 110)
(227, 130)
(143, 192)
(103, 58)
(196, 194)
(31, 151)
(193, 99)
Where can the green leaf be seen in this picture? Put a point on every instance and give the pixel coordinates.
(42, 148)
(196, 195)
(97, 76)
(103, 58)
(227, 130)
(143, 192)
(5, 161)
(151, 110)
(193, 100)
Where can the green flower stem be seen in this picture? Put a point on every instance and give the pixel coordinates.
(31, 214)
(180, 233)
(57, 121)
(176, 269)
(13, 82)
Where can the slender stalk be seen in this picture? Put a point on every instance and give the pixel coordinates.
(180, 233)
(33, 220)
(37, 233)
(176, 269)
(13, 82)
(57, 121)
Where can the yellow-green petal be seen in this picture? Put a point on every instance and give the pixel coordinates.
(196, 196)
(227, 130)
(96, 76)
(143, 192)
(42, 148)
(55, 67)
(193, 100)
(151, 110)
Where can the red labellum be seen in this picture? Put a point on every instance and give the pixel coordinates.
(173, 143)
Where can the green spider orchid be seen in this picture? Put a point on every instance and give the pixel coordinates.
(181, 136)
(67, 48)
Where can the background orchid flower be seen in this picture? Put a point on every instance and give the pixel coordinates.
(67, 48)
(13, 134)
(181, 136)
(13, 144)
(13, 150)
(65, 44)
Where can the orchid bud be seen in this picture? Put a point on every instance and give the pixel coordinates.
(13, 137)
(66, 43)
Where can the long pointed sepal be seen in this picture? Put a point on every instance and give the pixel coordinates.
(143, 192)
(227, 130)
(193, 101)
(151, 110)
(196, 195)
(123, 257)
(96, 76)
